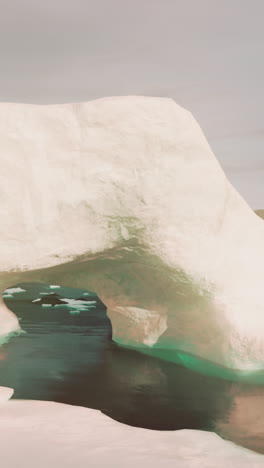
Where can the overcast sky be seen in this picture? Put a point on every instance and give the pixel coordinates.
(206, 54)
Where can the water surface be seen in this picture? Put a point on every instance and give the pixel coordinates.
(70, 358)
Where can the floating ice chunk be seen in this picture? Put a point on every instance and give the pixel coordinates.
(54, 286)
(78, 303)
(14, 290)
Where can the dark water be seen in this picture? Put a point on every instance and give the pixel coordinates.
(71, 359)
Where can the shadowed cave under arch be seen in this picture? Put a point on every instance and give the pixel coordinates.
(152, 307)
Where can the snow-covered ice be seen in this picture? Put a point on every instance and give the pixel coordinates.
(124, 197)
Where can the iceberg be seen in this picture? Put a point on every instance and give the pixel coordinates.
(124, 197)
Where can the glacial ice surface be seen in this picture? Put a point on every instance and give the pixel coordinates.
(123, 196)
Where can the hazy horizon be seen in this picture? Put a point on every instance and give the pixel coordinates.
(206, 55)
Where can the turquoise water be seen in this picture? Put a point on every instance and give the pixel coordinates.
(71, 358)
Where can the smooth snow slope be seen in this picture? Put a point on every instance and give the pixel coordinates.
(124, 197)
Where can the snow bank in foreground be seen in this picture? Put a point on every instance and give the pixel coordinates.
(63, 436)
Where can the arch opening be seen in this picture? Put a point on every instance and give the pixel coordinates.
(71, 358)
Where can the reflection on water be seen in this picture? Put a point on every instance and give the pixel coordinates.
(71, 359)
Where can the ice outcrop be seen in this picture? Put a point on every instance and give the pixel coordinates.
(5, 394)
(123, 196)
(8, 321)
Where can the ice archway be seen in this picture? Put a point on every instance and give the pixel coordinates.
(123, 196)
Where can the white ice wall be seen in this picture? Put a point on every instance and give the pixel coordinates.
(80, 179)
